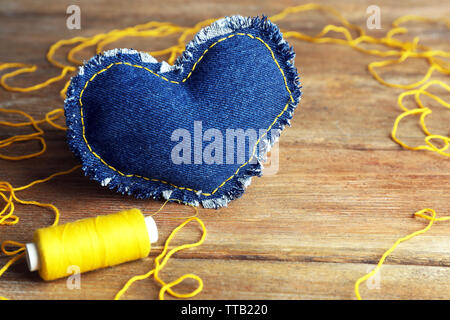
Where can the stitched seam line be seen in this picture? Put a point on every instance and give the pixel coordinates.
(176, 82)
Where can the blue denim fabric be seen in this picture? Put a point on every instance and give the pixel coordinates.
(120, 116)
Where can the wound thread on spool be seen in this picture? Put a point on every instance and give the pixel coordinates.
(91, 243)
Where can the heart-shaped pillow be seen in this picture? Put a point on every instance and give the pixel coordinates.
(196, 131)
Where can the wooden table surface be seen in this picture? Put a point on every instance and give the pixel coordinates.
(344, 191)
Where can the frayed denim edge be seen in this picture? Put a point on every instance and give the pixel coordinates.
(96, 170)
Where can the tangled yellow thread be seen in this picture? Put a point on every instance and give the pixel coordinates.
(50, 117)
(162, 259)
(399, 49)
(423, 111)
(396, 51)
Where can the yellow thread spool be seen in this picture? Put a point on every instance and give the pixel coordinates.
(91, 243)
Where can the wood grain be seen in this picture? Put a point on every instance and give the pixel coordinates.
(344, 191)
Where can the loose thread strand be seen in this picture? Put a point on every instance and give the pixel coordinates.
(425, 214)
(162, 259)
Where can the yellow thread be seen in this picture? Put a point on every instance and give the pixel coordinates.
(7, 216)
(162, 260)
(187, 77)
(423, 112)
(174, 200)
(8, 264)
(29, 69)
(428, 214)
(402, 50)
(92, 243)
(38, 135)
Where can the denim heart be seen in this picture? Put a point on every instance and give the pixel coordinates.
(196, 131)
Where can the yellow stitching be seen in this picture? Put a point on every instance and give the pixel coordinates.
(281, 70)
(175, 82)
